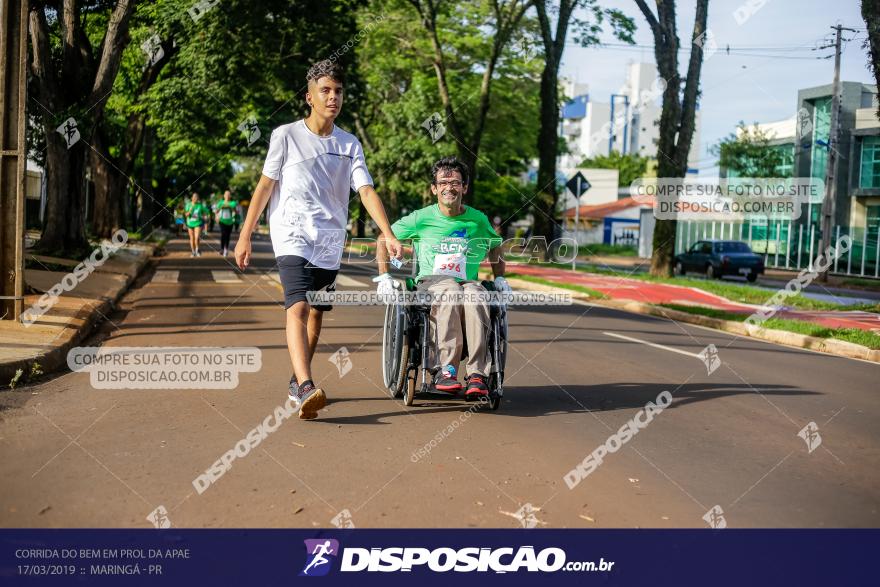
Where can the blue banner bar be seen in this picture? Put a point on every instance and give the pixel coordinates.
(390, 557)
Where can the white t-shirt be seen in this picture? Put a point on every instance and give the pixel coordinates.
(308, 209)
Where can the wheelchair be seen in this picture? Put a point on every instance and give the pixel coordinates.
(405, 348)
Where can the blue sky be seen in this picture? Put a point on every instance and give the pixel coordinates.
(739, 87)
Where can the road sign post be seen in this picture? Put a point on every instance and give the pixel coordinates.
(578, 185)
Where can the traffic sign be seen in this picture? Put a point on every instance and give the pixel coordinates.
(578, 184)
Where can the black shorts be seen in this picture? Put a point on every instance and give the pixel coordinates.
(299, 276)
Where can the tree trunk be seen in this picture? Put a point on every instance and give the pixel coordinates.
(149, 207)
(66, 79)
(546, 198)
(107, 212)
(64, 225)
(677, 116)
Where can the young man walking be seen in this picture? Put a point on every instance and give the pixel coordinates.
(309, 171)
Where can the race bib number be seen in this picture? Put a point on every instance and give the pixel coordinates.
(452, 265)
(225, 213)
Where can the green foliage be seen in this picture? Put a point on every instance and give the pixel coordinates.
(749, 153)
(630, 166)
(399, 93)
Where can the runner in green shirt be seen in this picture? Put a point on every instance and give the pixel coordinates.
(226, 212)
(195, 213)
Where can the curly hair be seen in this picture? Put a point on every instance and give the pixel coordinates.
(326, 68)
(450, 164)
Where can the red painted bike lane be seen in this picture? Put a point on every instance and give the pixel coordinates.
(622, 288)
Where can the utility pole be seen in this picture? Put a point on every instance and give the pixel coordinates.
(829, 200)
(13, 155)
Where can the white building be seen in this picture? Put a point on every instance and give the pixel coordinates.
(626, 122)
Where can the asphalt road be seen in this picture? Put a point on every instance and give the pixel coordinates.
(73, 455)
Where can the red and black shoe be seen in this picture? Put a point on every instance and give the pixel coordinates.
(477, 389)
(446, 381)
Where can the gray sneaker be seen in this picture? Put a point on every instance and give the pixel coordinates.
(310, 399)
(292, 390)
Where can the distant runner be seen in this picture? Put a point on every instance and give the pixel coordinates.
(195, 213)
(226, 213)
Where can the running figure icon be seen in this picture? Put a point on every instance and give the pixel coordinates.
(318, 553)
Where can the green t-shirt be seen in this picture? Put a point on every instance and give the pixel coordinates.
(195, 213)
(226, 211)
(448, 245)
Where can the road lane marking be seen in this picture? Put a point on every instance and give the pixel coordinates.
(653, 344)
(346, 281)
(225, 277)
(166, 276)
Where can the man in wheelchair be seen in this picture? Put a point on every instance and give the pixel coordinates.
(450, 241)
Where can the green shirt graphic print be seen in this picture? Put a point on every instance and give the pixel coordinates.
(448, 245)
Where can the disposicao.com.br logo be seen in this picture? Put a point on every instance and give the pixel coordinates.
(442, 560)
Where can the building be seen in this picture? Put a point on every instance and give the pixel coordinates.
(627, 122)
(804, 141)
(610, 223)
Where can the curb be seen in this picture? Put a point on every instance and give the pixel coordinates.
(823, 345)
(88, 317)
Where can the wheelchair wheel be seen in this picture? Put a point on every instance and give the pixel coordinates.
(498, 350)
(410, 387)
(395, 350)
(496, 382)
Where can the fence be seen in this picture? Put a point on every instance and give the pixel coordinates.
(789, 245)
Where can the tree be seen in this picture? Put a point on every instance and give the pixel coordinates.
(871, 15)
(678, 109)
(749, 153)
(112, 173)
(72, 79)
(503, 18)
(229, 84)
(631, 166)
(554, 45)
(400, 90)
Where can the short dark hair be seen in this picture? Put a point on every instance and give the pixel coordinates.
(326, 68)
(449, 164)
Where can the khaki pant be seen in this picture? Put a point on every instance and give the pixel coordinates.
(451, 323)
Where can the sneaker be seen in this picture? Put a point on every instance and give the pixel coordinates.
(476, 388)
(292, 390)
(198, 254)
(446, 381)
(192, 253)
(310, 399)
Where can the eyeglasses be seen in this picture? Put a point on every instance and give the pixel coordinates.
(451, 184)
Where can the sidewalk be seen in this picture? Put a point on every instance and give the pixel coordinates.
(43, 345)
(622, 288)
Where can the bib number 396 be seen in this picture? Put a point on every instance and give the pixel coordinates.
(452, 265)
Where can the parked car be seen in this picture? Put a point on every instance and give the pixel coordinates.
(716, 258)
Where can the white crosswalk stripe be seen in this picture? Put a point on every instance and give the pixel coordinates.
(346, 281)
(166, 276)
(225, 277)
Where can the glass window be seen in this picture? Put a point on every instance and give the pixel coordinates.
(873, 222)
(869, 176)
(733, 247)
(786, 166)
(821, 133)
